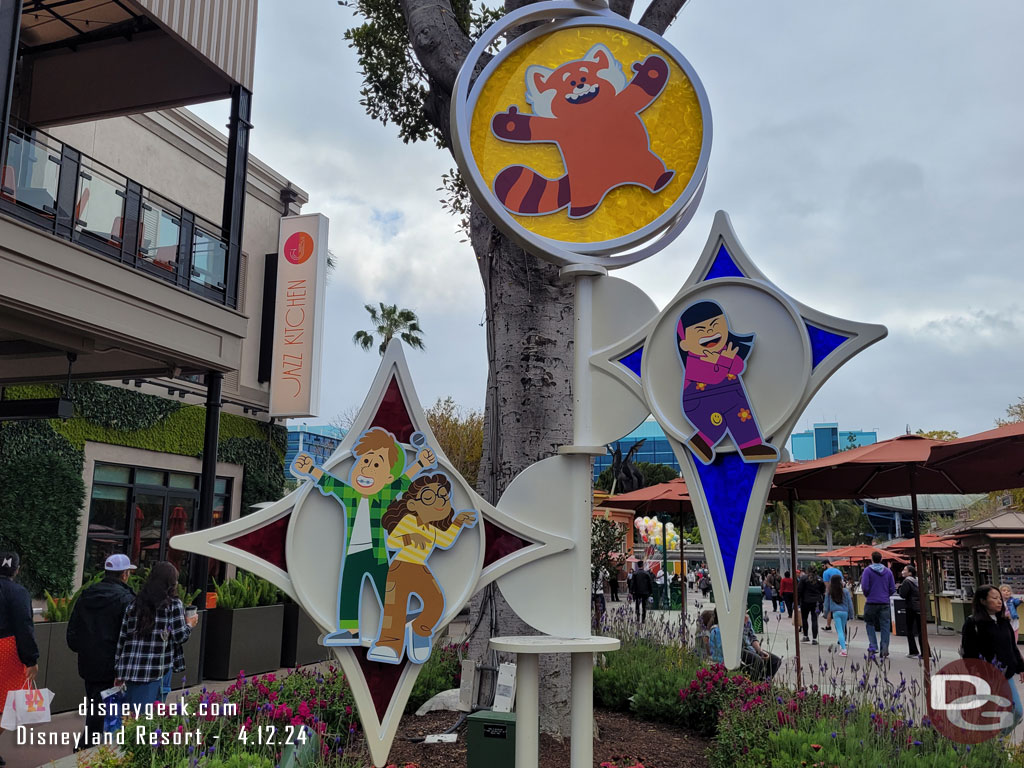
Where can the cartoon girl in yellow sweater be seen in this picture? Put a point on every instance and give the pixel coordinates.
(418, 523)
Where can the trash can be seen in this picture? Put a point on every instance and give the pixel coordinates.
(491, 740)
(899, 612)
(755, 607)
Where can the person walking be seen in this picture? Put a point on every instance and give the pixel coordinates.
(786, 593)
(19, 654)
(600, 576)
(152, 633)
(613, 583)
(661, 590)
(643, 587)
(93, 629)
(839, 608)
(810, 596)
(826, 577)
(705, 585)
(768, 590)
(878, 586)
(1011, 603)
(987, 635)
(910, 591)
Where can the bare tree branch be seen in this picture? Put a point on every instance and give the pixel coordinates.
(622, 7)
(439, 43)
(661, 13)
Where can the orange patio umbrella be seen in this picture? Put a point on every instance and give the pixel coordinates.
(987, 461)
(670, 496)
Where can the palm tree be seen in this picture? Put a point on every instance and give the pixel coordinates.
(390, 321)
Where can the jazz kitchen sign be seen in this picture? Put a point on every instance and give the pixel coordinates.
(299, 316)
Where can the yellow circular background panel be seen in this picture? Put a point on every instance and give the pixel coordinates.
(673, 121)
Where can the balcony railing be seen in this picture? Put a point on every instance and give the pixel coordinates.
(57, 188)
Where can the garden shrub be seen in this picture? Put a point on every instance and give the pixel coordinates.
(441, 672)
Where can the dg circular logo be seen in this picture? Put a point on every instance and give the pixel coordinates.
(298, 248)
(585, 138)
(970, 701)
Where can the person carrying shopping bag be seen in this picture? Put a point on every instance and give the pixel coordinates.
(153, 630)
(18, 651)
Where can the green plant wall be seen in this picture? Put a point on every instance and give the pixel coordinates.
(41, 464)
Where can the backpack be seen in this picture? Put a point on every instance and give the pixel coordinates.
(705, 583)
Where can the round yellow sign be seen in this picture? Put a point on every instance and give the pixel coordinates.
(588, 134)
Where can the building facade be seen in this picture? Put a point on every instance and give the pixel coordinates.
(318, 441)
(827, 439)
(133, 245)
(655, 448)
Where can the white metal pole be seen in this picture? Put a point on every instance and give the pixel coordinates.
(582, 719)
(581, 747)
(527, 711)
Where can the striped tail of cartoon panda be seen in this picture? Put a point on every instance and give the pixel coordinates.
(525, 191)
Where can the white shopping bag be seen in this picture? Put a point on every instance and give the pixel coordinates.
(8, 721)
(32, 705)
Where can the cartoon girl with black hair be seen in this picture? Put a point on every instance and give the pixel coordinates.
(421, 521)
(714, 400)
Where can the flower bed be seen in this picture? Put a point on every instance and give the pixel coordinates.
(871, 723)
(262, 720)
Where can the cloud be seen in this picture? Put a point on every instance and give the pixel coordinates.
(870, 158)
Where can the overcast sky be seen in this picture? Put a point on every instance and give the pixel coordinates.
(871, 156)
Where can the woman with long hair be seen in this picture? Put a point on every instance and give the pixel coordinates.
(18, 651)
(987, 634)
(154, 627)
(838, 607)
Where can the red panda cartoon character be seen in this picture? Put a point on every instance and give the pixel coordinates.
(588, 109)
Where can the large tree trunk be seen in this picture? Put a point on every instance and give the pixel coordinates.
(528, 412)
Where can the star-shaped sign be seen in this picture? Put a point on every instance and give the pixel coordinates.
(297, 543)
(727, 368)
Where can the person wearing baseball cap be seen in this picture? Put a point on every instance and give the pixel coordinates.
(93, 631)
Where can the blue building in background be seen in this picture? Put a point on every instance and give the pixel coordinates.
(655, 449)
(318, 441)
(827, 439)
(823, 440)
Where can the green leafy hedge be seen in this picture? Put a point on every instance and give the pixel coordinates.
(41, 464)
(41, 496)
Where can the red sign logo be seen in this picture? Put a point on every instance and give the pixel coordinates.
(298, 247)
(970, 701)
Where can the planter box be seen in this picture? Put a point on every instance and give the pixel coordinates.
(61, 672)
(190, 676)
(42, 631)
(246, 639)
(300, 642)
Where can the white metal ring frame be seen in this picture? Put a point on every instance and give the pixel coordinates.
(611, 254)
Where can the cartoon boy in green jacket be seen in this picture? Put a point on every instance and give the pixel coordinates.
(376, 480)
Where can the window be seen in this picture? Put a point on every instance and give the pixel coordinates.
(136, 510)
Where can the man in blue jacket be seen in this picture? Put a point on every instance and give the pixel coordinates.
(878, 585)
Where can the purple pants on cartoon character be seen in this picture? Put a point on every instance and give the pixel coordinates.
(719, 408)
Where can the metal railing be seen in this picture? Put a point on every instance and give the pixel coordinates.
(56, 188)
